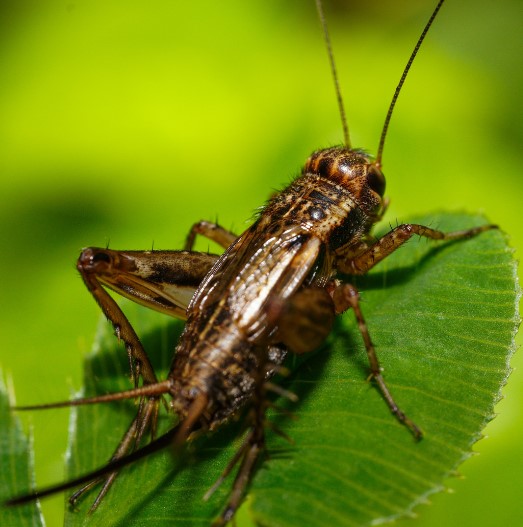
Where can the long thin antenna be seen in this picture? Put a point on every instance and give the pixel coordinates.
(401, 82)
(321, 15)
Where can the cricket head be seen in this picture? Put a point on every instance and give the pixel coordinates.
(352, 169)
(375, 166)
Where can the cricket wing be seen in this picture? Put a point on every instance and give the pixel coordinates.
(256, 275)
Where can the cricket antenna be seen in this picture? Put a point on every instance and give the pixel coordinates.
(321, 15)
(401, 82)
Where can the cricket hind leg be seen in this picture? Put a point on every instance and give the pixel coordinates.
(305, 320)
(253, 445)
(92, 264)
(144, 277)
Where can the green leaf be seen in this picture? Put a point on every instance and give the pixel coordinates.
(443, 317)
(16, 468)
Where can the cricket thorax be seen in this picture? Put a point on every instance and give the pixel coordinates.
(337, 197)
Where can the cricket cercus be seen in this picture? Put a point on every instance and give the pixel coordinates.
(275, 290)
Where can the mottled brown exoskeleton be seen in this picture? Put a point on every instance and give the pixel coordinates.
(275, 290)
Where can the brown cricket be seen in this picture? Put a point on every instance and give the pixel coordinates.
(275, 290)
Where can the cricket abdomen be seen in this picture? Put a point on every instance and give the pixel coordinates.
(223, 366)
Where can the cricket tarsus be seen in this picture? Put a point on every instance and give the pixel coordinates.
(346, 296)
(146, 418)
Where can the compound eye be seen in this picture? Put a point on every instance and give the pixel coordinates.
(376, 180)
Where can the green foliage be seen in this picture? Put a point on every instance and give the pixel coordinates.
(443, 320)
(16, 467)
(126, 125)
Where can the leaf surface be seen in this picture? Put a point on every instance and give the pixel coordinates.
(443, 318)
(16, 467)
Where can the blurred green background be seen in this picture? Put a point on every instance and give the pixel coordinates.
(122, 123)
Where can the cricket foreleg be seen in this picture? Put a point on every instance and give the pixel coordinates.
(346, 296)
(212, 231)
(371, 256)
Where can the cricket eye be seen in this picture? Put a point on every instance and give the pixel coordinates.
(376, 180)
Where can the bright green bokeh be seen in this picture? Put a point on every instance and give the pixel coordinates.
(124, 122)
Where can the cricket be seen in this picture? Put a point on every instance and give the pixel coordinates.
(275, 291)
